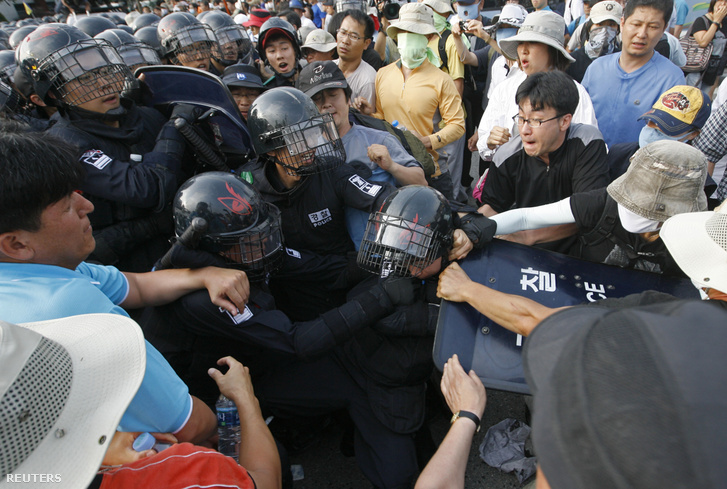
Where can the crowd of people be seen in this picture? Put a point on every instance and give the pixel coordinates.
(293, 219)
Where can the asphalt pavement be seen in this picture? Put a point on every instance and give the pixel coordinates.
(324, 466)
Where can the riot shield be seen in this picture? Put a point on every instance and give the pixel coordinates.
(223, 129)
(552, 279)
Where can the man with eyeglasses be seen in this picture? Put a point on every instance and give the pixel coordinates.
(549, 160)
(352, 39)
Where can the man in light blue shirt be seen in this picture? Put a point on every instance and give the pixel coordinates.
(45, 235)
(623, 85)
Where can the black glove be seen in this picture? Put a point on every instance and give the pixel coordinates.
(478, 228)
(188, 112)
(401, 290)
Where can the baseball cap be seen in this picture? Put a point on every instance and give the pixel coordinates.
(296, 4)
(680, 109)
(665, 178)
(607, 10)
(318, 76)
(257, 17)
(698, 243)
(242, 75)
(630, 398)
(64, 385)
(541, 26)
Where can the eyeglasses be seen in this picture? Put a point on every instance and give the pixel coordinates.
(533, 123)
(352, 36)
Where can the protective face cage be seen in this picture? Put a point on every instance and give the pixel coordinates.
(84, 71)
(395, 246)
(235, 46)
(258, 250)
(137, 55)
(308, 147)
(194, 43)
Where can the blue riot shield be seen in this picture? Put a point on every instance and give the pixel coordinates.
(552, 279)
(224, 127)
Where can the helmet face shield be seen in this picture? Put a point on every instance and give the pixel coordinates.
(258, 249)
(310, 146)
(138, 54)
(235, 45)
(195, 43)
(85, 71)
(393, 245)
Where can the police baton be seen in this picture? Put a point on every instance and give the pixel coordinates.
(189, 239)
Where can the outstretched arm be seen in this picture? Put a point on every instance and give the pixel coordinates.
(463, 392)
(513, 312)
(228, 288)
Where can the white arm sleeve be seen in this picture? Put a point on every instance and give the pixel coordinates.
(534, 217)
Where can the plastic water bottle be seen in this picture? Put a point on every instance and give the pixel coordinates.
(228, 428)
(398, 125)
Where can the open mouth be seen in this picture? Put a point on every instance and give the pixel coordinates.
(283, 67)
(110, 99)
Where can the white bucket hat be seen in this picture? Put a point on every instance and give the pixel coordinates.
(413, 17)
(439, 6)
(320, 40)
(698, 243)
(64, 385)
(544, 27)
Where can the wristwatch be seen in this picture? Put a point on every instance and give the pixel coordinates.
(468, 415)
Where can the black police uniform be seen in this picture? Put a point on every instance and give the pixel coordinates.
(383, 393)
(313, 220)
(131, 219)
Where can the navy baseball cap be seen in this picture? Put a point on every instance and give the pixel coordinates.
(242, 76)
(318, 76)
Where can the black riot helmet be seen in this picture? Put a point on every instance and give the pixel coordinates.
(184, 39)
(276, 26)
(286, 122)
(148, 35)
(134, 52)
(413, 228)
(240, 225)
(7, 66)
(93, 25)
(74, 68)
(19, 34)
(145, 20)
(235, 45)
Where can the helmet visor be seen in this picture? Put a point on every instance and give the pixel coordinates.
(258, 249)
(196, 43)
(311, 146)
(393, 245)
(234, 43)
(85, 71)
(139, 54)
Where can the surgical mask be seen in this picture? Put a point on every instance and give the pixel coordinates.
(164, 12)
(468, 12)
(413, 49)
(600, 41)
(635, 223)
(650, 135)
(440, 22)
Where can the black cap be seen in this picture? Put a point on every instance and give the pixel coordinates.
(319, 75)
(242, 76)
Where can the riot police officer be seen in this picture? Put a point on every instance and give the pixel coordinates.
(186, 41)
(132, 158)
